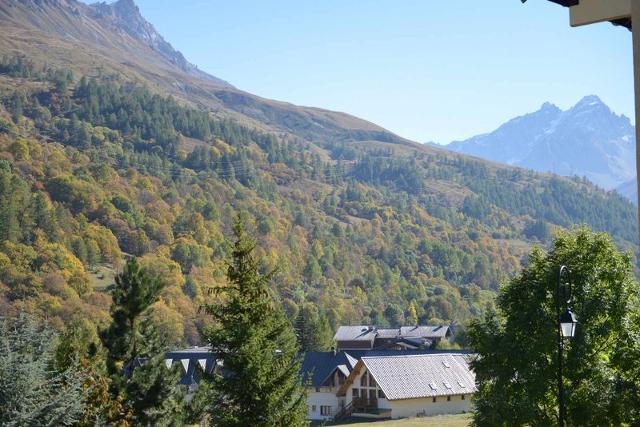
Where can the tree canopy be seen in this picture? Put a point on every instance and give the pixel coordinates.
(516, 365)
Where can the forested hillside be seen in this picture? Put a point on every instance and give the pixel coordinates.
(93, 169)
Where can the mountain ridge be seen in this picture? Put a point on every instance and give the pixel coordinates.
(587, 139)
(125, 15)
(68, 32)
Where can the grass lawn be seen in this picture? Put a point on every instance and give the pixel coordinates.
(463, 420)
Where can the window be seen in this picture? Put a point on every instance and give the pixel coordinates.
(372, 381)
(448, 398)
(325, 410)
(317, 389)
(462, 397)
(363, 380)
(434, 399)
(313, 408)
(380, 394)
(355, 392)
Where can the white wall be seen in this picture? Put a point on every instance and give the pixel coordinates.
(322, 398)
(413, 407)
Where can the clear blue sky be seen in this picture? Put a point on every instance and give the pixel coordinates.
(425, 69)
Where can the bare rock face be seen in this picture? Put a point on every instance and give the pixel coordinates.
(125, 16)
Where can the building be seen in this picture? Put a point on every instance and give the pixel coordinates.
(410, 385)
(194, 362)
(406, 337)
(326, 373)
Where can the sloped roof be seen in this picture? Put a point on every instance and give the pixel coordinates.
(352, 361)
(388, 333)
(193, 361)
(369, 333)
(355, 333)
(344, 369)
(416, 376)
(317, 366)
(437, 331)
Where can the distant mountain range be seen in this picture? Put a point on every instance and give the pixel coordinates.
(586, 140)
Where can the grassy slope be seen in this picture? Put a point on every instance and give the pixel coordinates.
(463, 420)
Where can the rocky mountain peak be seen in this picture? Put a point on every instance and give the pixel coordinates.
(548, 106)
(125, 16)
(588, 139)
(590, 103)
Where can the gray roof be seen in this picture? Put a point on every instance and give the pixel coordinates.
(426, 375)
(369, 333)
(388, 333)
(437, 331)
(355, 333)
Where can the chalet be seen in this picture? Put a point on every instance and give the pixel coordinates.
(326, 374)
(402, 386)
(406, 337)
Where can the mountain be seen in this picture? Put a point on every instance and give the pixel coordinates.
(116, 39)
(125, 16)
(629, 190)
(110, 146)
(586, 140)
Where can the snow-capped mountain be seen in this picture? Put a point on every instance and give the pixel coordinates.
(586, 140)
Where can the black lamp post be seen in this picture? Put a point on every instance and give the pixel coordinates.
(566, 324)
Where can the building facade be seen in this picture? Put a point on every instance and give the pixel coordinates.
(362, 337)
(387, 384)
(408, 386)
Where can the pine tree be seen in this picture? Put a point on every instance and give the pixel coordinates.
(32, 391)
(313, 330)
(259, 384)
(135, 358)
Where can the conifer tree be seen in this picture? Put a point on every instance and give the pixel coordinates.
(32, 391)
(135, 358)
(259, 384)
(313, 330)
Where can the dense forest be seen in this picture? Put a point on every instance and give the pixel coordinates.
(96, 169)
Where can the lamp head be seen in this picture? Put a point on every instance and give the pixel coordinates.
(568, 322)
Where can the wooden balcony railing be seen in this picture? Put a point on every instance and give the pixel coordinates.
(364, 403)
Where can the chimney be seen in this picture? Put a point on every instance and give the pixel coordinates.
(333, 350)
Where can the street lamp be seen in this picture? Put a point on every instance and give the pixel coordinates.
(566, 325)
(568, 322)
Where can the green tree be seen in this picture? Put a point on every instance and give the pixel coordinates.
(32, 391)
(517, 367)
(135, 354)
(313, 329)
(260, 384)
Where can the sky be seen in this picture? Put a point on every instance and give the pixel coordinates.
(428, 70)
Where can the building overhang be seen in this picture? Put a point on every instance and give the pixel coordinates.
(585, 12)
